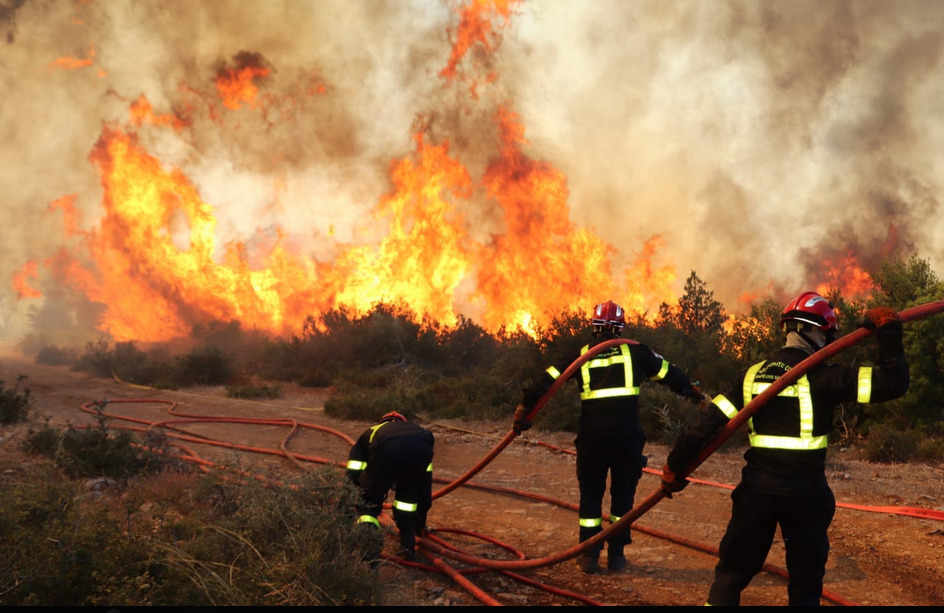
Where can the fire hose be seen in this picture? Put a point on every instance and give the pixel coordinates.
(845, 342)
(435, 549)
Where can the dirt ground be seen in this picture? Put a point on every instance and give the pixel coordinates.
(878, 557)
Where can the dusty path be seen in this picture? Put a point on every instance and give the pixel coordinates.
(876, 558)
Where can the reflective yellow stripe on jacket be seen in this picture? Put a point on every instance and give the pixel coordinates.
(800, 390)
(361, 465)
(623, 358)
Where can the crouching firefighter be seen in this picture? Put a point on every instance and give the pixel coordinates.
(394, 454)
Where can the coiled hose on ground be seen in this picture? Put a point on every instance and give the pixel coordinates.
(437, 551)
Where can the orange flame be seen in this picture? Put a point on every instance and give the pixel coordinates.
(71, 215)
(142, 112)
(156, 265)
(21, 279)
(426, 254)
(237, 85)
(475, 27)
(158, 269)
(542, 260)
(72, 63)
(845, 274)
(647, 286)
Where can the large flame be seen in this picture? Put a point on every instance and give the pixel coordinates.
(156, 263)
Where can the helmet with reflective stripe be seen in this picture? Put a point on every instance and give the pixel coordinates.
(812, 309)
(393, 415)
(608, 317)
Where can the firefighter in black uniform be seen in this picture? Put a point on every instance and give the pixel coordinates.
(783, 481)
(394, 454)
(610, 437)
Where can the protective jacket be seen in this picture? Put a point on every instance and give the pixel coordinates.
(788, 435)
(609, 385)
(399, 455)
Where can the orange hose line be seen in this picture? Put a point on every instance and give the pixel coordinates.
(459, 578)
(627, 520)
(440, 564)
(207, 465)
(520, 578)
(179, 434)
(918, 512)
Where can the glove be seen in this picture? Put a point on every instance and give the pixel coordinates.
(699, 398)
(671, 483)
(879, 317)
(521, 420)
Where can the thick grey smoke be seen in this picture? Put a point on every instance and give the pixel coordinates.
(762, 138)
(759, 139)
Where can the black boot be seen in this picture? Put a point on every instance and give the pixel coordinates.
(589, 562)
(615, 559)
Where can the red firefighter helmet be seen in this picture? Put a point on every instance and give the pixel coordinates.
(608, 317)
(813, 309)
(393, 415)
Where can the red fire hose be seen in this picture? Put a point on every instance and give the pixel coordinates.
(851, 339)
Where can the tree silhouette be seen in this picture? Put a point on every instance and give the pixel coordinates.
(698, 312)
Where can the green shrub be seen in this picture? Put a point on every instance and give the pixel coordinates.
(483, 396)
(97, 452)
(930, 449)
(888, 443)
(14, 405)
(97, 360)
(369, 404)
(58, 550)
(561, 413)
(253, 391)
(176, 539)
(205, 366)
(663, 413)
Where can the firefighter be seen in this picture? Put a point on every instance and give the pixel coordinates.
(394, 454)
(610, 438)
(783, 481)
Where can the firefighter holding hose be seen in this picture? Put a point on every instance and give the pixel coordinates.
(610, 438)
(783, 481)
(394, 454)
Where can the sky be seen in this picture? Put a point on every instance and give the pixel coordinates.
(761, 143)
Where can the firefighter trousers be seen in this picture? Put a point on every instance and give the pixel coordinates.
(623, 461)
(412, 486)
(803, 516)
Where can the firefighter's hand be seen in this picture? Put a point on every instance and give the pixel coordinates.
(880, 317)
(671, 483)
(521, 420)
(699, 398)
